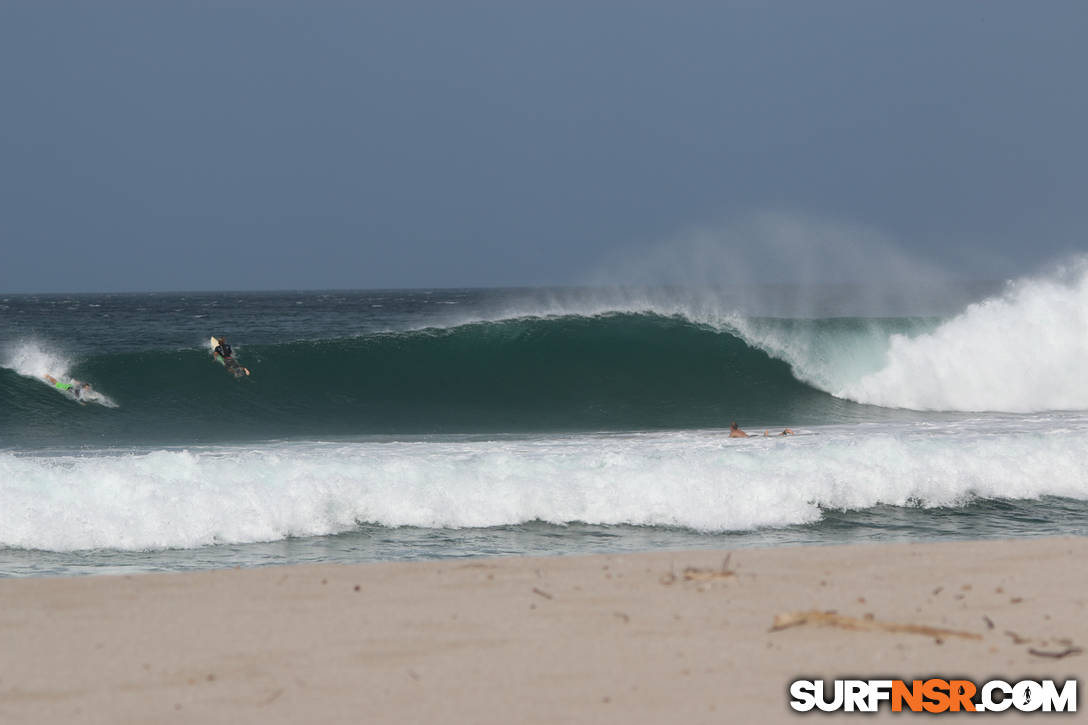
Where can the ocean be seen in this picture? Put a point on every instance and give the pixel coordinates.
(396, 424)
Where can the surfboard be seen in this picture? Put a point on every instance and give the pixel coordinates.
(74, 390)
(231, 365)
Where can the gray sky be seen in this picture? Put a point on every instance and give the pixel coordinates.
(305, 145)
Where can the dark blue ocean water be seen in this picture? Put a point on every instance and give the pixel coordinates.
(433, 423)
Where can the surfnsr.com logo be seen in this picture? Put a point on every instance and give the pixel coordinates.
(934, 695)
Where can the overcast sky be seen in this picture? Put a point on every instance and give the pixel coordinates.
(311, 145)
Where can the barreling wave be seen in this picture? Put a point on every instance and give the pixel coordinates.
(1021, 351)
(567, 373)
(640, 368)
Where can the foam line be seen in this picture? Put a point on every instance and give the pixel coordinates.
(703, 481)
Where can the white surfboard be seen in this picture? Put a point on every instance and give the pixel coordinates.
(234, 368)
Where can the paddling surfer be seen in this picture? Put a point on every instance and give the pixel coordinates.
(226, 354)
(224, 350)
(79, 391)
(736, 432)
(63, 387)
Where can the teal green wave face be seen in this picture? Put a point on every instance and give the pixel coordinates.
(569, 373)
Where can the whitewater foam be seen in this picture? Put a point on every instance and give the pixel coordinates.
(1021, 352)
(700, 481)
(36, 360)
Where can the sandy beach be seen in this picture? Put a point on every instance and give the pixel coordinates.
(639, 638)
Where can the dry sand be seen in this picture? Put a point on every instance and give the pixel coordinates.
(639, 638)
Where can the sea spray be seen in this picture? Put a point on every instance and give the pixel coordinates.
(39, 362)
(35, 359)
